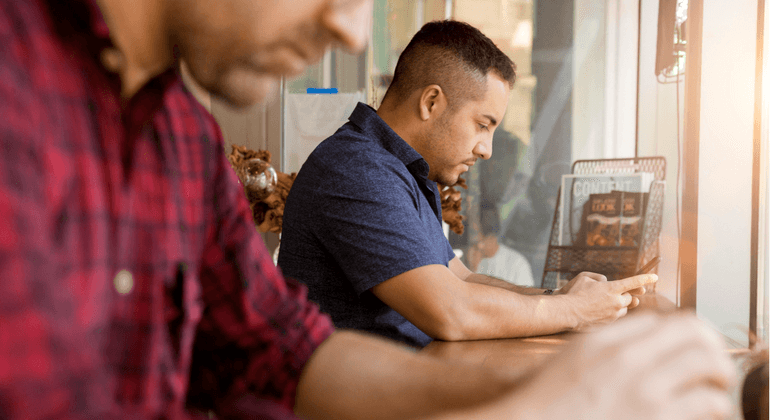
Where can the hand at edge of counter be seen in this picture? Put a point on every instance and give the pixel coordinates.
(593, 301)
(643, 367)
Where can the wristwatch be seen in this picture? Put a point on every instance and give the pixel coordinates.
(548, 292)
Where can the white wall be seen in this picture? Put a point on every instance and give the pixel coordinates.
(726, 140)
(604, 79)
(588, 80)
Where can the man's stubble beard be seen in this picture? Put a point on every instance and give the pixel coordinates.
(441, 136)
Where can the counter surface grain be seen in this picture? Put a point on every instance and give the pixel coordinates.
(519, 355)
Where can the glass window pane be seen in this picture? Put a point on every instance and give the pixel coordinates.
(511, 197)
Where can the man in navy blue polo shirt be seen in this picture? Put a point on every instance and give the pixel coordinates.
(362, 223)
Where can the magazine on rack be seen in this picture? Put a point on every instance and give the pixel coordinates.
(603, 210)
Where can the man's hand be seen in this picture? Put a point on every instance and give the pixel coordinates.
(595, 301)
(644, 367)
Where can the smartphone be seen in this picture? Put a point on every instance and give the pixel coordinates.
(648, 267)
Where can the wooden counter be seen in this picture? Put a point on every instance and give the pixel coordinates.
(518, 355)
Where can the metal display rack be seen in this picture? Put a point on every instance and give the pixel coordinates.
(615, 262)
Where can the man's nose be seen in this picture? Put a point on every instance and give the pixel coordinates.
(351, 25)
(483, 149)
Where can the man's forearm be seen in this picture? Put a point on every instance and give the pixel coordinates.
(493, 281)
(484, 311)
(353, 376)
(587, 300)
(448, 308)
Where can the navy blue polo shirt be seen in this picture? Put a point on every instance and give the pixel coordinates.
(360, 212)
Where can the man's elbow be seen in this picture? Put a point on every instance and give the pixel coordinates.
(449, 325)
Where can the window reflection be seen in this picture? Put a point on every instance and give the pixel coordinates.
(511, 197)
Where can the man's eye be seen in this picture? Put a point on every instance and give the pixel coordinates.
(484, 127)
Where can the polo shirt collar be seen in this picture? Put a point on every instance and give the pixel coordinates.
(366, 118)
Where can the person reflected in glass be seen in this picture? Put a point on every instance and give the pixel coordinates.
(490, 257)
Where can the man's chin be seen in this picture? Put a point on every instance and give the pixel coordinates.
(448, 180)
(241, 90)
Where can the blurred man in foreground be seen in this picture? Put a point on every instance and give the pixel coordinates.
(133, 283)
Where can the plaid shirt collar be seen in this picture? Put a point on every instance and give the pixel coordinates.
(81, 21)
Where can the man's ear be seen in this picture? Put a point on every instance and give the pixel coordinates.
(432, 102)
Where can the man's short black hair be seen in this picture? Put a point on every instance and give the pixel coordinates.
(453, 55)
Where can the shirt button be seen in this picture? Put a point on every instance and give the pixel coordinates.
(124, 282)
(112, 59)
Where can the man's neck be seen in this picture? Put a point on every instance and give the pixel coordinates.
(494, 246)
(397, 119)
(138, 30)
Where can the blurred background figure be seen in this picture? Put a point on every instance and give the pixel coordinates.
(489, 256)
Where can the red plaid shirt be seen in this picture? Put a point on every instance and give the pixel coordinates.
(132, 279)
